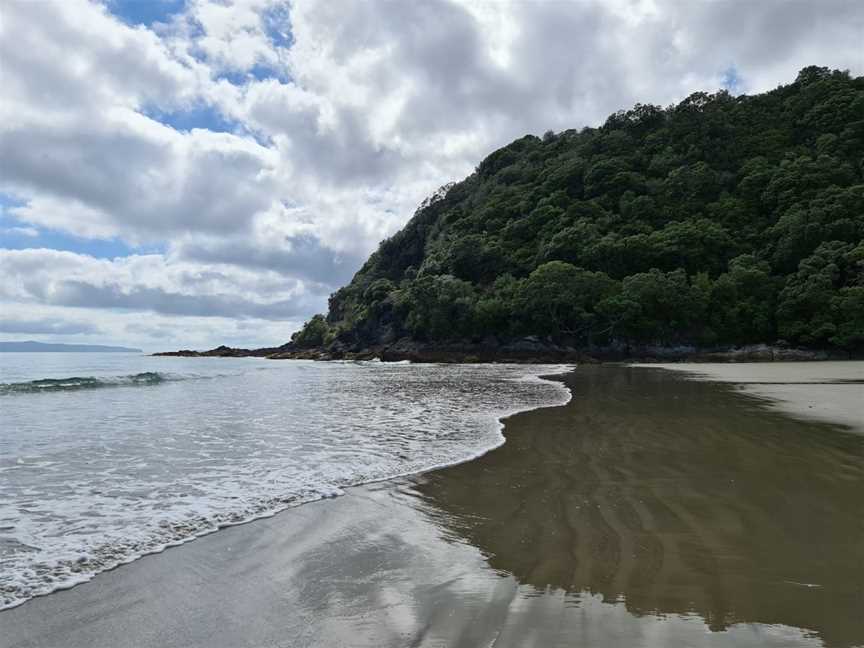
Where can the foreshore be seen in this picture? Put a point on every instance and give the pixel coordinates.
(832, 392)
(651, 511)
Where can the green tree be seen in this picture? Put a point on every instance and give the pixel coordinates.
(727, 219)
(661, 307)
(847, 310)
(441, 307)
(313, 333)
(559, 299)
(743, 302)
(811, 299)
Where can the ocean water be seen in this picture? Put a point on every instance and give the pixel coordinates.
(105, 457)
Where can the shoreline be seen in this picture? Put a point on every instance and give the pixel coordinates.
(496, 418)
(529, 350)
(827, 391)
(453, 556)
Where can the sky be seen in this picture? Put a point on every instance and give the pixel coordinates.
(188, 173)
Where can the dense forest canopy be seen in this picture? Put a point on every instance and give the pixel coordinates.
(722, 220)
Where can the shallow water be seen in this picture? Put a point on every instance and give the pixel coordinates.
(106, 457)
(651, 511)
(670, 498)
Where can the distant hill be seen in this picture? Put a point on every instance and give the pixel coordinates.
(36, 347)
(723, 220)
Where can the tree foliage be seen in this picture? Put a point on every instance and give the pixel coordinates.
(723, 219)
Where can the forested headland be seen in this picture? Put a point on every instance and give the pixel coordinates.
(723, 220)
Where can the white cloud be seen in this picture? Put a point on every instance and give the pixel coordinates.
(59, 56)
(153, 283)
(30, 232)
(148, 331)
(232, 36)
(123, 174)
(369, 108)
(47, 326)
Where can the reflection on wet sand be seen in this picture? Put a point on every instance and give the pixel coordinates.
(652, 511)
(671, 497)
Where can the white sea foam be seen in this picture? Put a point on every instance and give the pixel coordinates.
(91, 479)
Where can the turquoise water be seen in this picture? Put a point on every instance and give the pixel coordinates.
(106, 457)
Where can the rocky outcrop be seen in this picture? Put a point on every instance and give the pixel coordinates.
(525, 350)
(766, 353)
(531, 349)
(224, 352)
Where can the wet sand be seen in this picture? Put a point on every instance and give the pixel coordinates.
(651, 511)
(827, 391)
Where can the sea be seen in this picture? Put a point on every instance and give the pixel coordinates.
(106, 457)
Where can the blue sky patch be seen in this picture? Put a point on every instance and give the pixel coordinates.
(17, 235)
(277, 26)
(732, 80)
(198, 116)
(258, 72)
(145, 12)
(100, 249)
(8, 202)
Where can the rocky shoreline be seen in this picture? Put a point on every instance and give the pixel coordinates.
(525, 350)
(223, 351)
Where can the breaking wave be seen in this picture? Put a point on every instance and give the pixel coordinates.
(87, 382)
(96, 480)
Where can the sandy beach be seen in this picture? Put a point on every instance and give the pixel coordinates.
(828, 391)
(652, 511)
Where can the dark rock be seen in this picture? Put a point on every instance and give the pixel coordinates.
(531, 349)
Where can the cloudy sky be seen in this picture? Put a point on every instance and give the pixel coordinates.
(185, 173)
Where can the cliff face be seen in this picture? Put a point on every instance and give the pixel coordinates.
(720, 221)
